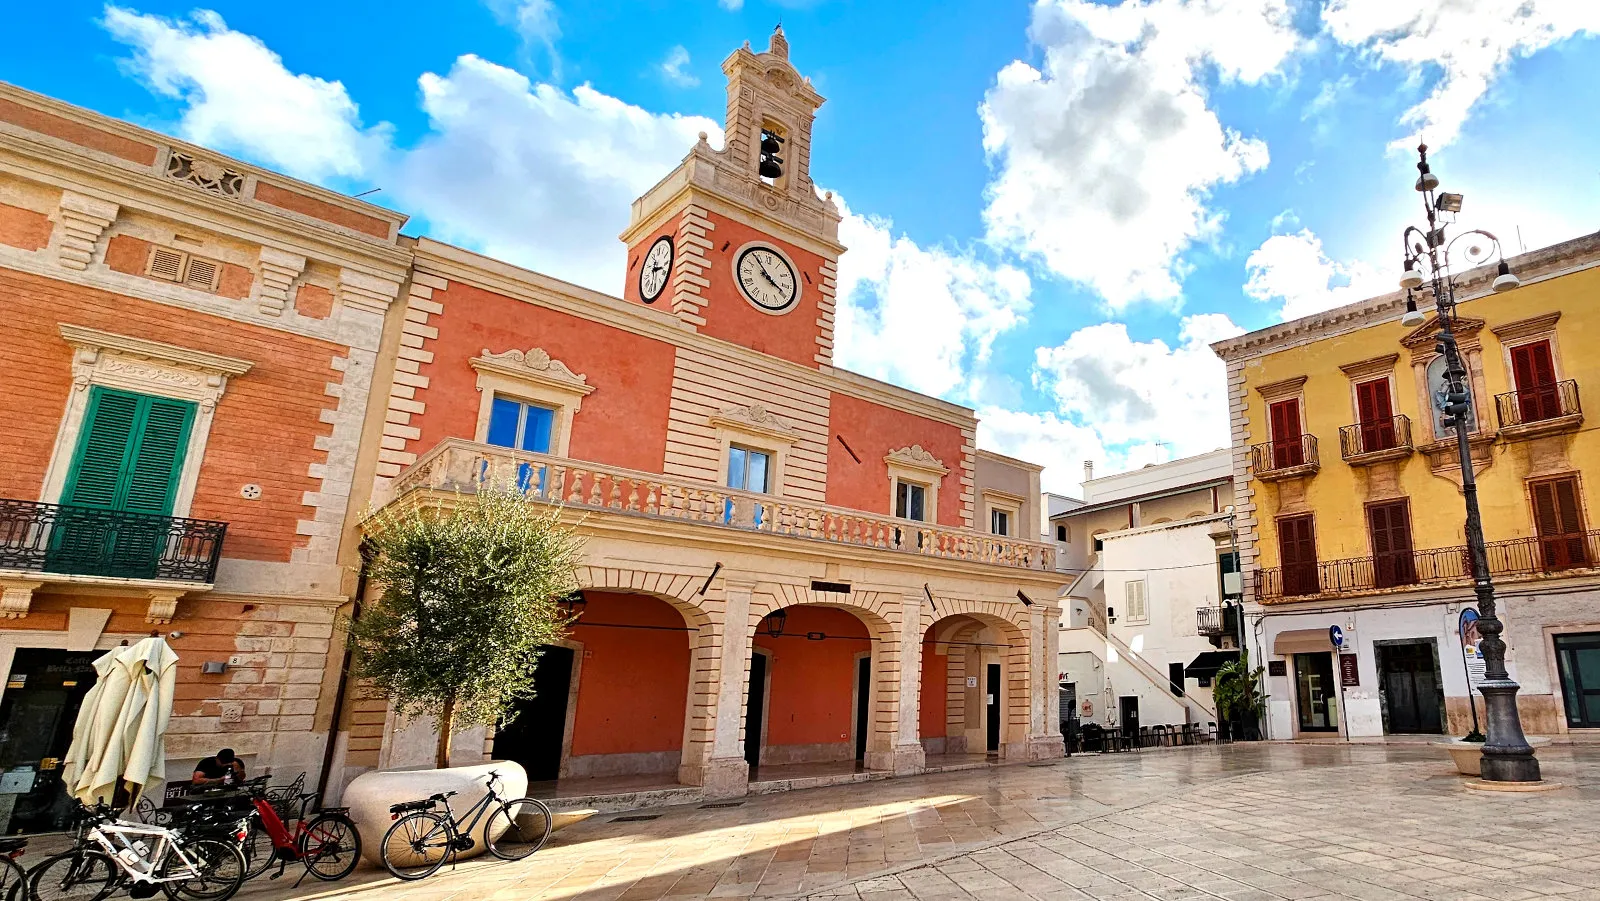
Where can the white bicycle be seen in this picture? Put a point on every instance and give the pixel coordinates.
(112, 854)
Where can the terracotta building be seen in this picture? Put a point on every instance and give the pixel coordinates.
(214, 370)
(190, 343)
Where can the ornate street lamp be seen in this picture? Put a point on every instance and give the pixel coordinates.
(1507, 756)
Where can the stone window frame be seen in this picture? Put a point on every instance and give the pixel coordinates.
(1007, 503)
(1282, 390)
(1370, 371)
(916, 466)
(1128, 616)
(755, 428)
(153, 368)
(530, 376)
(1531, 330)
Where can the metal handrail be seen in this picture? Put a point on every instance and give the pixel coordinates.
(1271, 456)
(1538, 403)
(74, 540)
(1375, 436)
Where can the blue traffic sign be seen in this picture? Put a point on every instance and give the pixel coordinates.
(1336, 635)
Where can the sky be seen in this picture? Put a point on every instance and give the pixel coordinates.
(1052, 209)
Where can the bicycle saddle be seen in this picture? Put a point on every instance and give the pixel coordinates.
(440, 796)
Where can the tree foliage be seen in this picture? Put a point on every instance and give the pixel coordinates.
(468, 598)
(1235, 690)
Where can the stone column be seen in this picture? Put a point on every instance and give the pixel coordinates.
(1044, 742)
(908, 756)
(727, 775)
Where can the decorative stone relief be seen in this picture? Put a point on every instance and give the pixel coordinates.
(163, 605)
(279, 269)
(916, 457)
(755, 418)
(16, 596)
(366, 292)
(82, 220)
(205, 175)
(535, 360)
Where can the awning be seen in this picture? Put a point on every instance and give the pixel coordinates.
(1206, 665)
(1302, 641)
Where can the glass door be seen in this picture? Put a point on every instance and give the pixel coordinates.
(1578, 659)
(1315, 693)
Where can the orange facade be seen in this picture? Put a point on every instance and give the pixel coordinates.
(812, 682)
(931, 715)
(871, 431)
(791, 336)
(634, 680)
(278, 404)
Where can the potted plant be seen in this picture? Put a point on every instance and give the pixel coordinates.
(1466, 752)
(468, 598)
(1239, 700)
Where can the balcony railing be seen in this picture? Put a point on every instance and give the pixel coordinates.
(1295, 456)
(1208, 620)
(1375, 437)
(57, 538)
(1537, 404)
(1512, 559)
(464, 466)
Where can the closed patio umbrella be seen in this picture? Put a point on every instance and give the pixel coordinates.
(121, 728)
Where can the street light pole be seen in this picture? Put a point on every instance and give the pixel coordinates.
(1507, 756)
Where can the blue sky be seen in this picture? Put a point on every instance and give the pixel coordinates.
(1052, 207)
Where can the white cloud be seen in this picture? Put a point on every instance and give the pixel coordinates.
(527, 172)
(1293, 269)
(238, 97)
(1465, 44)
(1104, 159)
(731, 5)
(535, 21)
(920, 317)
(1060, 445)
(1144, 400)
(672, 68)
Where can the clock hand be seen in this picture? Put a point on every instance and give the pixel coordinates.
(767, 275)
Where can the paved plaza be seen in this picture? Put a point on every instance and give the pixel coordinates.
(1242, 822)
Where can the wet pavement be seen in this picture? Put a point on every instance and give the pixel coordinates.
(1239, 822)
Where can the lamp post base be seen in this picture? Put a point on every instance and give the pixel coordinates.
(1507, 756)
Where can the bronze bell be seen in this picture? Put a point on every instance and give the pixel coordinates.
(771, 164)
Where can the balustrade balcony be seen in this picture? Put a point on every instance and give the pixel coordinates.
(462, 466)
(1375, 441)
(1286, 459)
(1539, 410)
(58, 538)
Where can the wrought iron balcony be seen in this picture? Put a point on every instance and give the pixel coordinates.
(57, 538)
(1511, 559)
(1273, 460)
(1540, 409)
(464, 466)
(1375, 441)
(1209, 621)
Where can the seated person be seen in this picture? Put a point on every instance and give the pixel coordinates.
(222, 769)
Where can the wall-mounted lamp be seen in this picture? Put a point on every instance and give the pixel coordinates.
(774, 622)
(573, 604)
(214, 667)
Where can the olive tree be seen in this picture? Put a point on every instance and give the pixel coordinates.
(468, 597)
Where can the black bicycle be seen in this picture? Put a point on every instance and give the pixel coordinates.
(421, 840)
(12, 876)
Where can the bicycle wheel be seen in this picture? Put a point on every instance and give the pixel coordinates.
(417, 845)
(218, 870)
(12, 878)
(259, 852)
(518, 828)
(330, 846)
(78, 875)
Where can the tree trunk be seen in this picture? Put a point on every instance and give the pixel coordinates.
(447, 718)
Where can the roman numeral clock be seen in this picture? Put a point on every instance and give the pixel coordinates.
(766, 278)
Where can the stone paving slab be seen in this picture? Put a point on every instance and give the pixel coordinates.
(1259, 822)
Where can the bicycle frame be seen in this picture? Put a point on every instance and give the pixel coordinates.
(461, 828)
(162, 847)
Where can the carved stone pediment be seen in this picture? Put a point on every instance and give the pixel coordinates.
(535, 363)
(1425, 334)
(916, 457)
(754, 418)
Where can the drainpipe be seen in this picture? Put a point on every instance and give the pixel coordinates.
(344, 677)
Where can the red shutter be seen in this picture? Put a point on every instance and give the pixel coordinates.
(1390, 530)
(1297, 547)
(1377, 415)
(1559, 520)
(1286, 444)
(1535, 372)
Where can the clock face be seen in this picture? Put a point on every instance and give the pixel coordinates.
(767, 279)
(657, 266)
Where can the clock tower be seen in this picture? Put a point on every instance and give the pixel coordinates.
(736, 242)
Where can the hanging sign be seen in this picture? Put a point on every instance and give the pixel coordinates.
(1471, 645)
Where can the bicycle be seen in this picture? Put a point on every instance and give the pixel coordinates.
(329, 844)
(420, 841)
(110, 854)
(12, 876)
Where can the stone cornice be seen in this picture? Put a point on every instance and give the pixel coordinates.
(1533, 325)
(1570, 256)
(755, 418)
(83, 337)
(1373, 367)
(533, 365)
(1010, 461)
(1284, 388)
(915, 457)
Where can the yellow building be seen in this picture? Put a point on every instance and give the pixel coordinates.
(1351, 513)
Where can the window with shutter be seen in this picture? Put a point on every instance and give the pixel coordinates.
(130, 453)
(1389, 529)
(1534, 370)
(1297, 548)
(1286, 444)
(1376, 415)
(1135, 606)
(166, 264)
(1558, 518)
(202, 273)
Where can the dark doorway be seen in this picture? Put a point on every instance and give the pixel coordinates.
(755, 711)
(863, 705)
(1578, 660)
(1315, 693)
(992, 709)
(1408, 680)
(43, 693)
(534, 737)
(1175, 677)
(1130, 716)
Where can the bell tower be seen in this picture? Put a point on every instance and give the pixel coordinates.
(736, 242)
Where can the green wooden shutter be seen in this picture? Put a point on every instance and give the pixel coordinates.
(130, 452)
